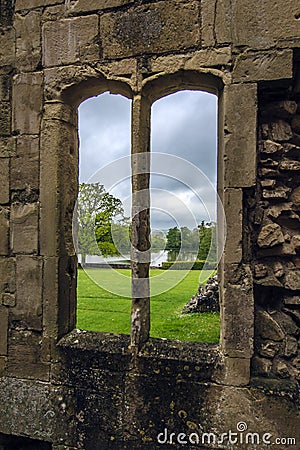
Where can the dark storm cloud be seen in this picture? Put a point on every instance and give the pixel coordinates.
(185, 124)
(182, 124)
(104, 132)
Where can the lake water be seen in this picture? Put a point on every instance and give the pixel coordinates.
(156, 259)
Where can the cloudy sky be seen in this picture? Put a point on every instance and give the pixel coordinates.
(183, 125)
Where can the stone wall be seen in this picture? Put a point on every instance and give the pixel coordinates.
(66, 389)
(275, 223)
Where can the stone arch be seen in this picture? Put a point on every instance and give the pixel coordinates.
(165, 84)
(59, 190)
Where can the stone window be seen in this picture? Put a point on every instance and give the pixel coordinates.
(234, 175)
(176, 176)
(168, 167)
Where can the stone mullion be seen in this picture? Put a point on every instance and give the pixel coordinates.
(140, 315)
(59, 165)
(237, 172)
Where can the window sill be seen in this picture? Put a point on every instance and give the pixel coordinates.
(159, 357)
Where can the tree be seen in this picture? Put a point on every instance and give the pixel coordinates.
(173, 243)
(193, 242)
(207, 235)
(96, 210)
(173, 239)
(113, 236)
(158, 241)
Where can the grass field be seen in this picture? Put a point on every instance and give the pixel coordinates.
(98, 309)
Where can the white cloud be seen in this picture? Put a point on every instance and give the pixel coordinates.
(183, 124)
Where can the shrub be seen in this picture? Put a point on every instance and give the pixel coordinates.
(187, 265)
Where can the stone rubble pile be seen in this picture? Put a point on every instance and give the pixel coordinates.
(206, 299)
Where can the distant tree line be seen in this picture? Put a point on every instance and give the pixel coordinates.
(199, 240)
(103, 226)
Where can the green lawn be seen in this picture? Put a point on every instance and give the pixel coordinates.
(98, 309)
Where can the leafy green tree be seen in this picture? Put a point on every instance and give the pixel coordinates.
(207, 235)
(96, 210)
(173, 239)
(158, 241)
(121, 236)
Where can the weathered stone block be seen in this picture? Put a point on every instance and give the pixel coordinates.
(27, 102)
(4, 231)
(4, 180)
(158, 27)
(291, 346)
(49, 216)
(49, 412)
(279, 193)
(7, 147)
(233, 372)
(287, 322)
(259, 25)
(209, 58)
(270, 147)
(280, 369)
(50, 296)
(270, 280)
(59, 172)
(9, 300)
(3, 330)
(268, 184)
(71, 40)
(295, 196)
(233, 207)
(60, 111)
(28, 309)
(280, 131)
(268, 349)
(67, 294)
(191, 61)
(208, 23)
(55, 12)
(24, 228)
(60, 79)
(25, 356)
(260, 271)
(237, 330)
(5, 87)
(94, 5)
(28, 34)
(270, 235)
(263, 66)
(278, 269)
(5, 119)
(222, 22)
(267, 327)
(293, 300)
(289, 165)
(7, 275)
(31, 4)
(261, 366)
(7, 47)
(25, 167)
(240, 102)
(292, 280)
